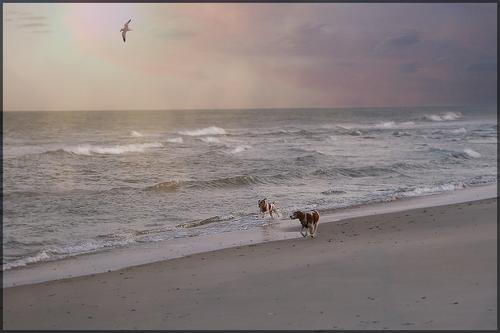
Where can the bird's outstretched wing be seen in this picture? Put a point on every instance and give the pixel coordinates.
(129, 21)
(123, 35)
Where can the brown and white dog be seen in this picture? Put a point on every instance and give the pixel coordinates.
(267, 207)
(308, 220)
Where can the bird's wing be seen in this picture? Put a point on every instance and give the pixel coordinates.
(129, 21)
(123, 35)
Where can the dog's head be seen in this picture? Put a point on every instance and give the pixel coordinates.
(262, 203)
(297, 215)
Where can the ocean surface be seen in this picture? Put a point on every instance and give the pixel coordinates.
(80, 182)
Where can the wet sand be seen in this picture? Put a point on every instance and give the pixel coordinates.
(425, 268)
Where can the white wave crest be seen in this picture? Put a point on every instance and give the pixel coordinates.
(446, 116)
(408, 123)
(401, 133)
(212, 130)
(472, 153)
(240, 149)
(355, 133)
(460, 130)
(111, 150)
(426, 190)
(210, 139)
(393, 124)
(136, 134)
(40, 256)
(387, 124)
(83, 247)
(175, 140)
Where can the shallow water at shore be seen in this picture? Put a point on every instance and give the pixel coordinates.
(81, 182)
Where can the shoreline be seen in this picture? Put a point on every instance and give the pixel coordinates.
(284, 228)
(423, 268)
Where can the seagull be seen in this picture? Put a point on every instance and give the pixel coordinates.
(125, 29)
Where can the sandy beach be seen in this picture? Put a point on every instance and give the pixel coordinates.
(424, 268)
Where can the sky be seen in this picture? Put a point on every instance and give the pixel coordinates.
(70, 56)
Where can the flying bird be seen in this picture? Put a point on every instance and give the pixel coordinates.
(125, 29)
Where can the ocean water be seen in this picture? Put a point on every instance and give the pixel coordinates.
(80, 182)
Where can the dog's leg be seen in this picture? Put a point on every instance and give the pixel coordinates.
(302, 233)
(311, 231)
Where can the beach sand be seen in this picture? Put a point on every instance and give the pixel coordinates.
(425, 268)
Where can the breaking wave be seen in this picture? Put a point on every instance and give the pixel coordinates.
(460, 154)
(460, 130)
(110, 150)
(469, 153)
(405, 192)
(240, 149)
(212, 130)
(393, 124)
(445, 116)
(210, 139)
(59, 252)
(136, 134)
(175, 140)
(400, 133)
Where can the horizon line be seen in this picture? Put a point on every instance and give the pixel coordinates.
(259, 108)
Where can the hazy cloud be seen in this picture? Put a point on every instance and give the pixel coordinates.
(250, 55)
(33, 25)
(32, 18)
(175, 34)
(482, 67)
(409, 67)
(405, 39)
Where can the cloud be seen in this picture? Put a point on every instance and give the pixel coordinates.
(345, 63)
(309, 37)
(33, 25)
(482, 67)
(403, 40)
(16, 12)
(174, 34)
(409, 67)
(32, 18)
